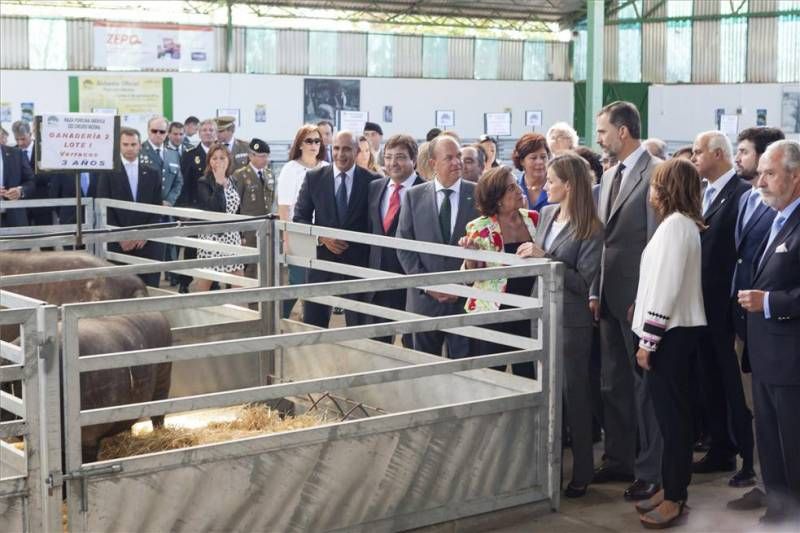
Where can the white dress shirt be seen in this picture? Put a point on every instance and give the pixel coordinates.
(407, 184)
(456, 188)
(716, 187)
(132, 170)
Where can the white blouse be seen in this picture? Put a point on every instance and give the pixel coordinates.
(289, 182)
(670, 290)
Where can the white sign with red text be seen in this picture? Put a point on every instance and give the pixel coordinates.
(142, 45)
(77, 141)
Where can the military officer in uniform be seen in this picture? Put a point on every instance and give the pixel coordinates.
(256, 187)
(240, 150)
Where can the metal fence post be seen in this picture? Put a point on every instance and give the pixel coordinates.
(101, 222)
(266, 266)
(49, 417)
(552, 342)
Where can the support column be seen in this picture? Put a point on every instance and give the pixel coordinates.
(594, 68)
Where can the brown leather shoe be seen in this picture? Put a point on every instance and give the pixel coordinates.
(645, 506)
(656, 519)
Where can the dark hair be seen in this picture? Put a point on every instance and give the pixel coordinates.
(402, 141)
(173, 125)
(527, 144)
(130, 132)
(593, 158)
(490, 190)
(480, 151)
(682, 150)
(191, 119)
(213, 150)
(307, 129)
(432, 134)
(621, 113)
(326, 123)
(760, 137)
(573, 169)
(678, 187)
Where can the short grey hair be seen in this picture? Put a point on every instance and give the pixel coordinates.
(657, 147)
(432, 144)
(157, 117)
(20, 128)
(566, 129)
(353, 136)
(208, 121)
(790, 151)
(716, 140)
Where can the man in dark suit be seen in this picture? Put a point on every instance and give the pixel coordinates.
(335, 196)
(438, 212)
(16, 183)
(753, 222)
(385, 203)
(726, 411)
(135, 182)
(63, 186)
(773, 333)
(625, 210)
(37, 216)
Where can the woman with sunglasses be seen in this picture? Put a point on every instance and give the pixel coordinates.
(307, 153)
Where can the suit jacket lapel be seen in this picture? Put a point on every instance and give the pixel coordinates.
(629, 183)
(722, 197)
(761, 210)
(329, 186)
(432, 208)
(464, 203)
(787, 228)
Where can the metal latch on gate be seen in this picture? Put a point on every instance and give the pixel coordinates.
(57, 479)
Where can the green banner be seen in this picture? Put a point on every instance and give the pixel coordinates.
(635, 93)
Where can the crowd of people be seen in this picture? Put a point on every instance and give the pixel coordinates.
(668, 260)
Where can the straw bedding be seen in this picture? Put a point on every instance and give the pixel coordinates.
(252, 421)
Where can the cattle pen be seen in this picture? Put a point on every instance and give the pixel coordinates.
(426, 440)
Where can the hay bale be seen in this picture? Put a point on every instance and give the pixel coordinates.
(253, 420)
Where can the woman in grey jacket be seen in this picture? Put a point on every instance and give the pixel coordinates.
(570, 231)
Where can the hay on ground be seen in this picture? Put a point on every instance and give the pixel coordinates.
(252, 421)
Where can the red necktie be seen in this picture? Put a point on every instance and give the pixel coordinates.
(394, 207)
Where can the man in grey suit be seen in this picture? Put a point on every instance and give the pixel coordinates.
(437, 211)
(167, 162)
(625, 210)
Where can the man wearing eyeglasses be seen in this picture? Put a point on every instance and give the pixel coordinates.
(166, 162)
(239, 149)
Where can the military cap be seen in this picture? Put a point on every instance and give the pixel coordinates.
(225, 122)
(371, 126)
(258, 146)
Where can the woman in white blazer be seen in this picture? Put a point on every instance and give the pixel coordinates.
(667, 319)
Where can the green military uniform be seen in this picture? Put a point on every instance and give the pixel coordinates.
(257, 196)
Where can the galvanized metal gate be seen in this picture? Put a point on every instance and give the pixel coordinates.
(27, 501)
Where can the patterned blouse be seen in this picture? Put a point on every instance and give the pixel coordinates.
(485, 233)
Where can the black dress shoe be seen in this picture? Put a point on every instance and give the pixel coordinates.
(709, 464)
(752, 499)
(743, 478)
(641, 490)
(573, 491)
(773, 517)
(605, 474)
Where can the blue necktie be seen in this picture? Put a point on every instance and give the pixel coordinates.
(85, 182)
(707, 196)
(777, 224)
(750, 207)
(341, 198)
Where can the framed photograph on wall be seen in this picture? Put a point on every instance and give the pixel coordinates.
(790, 111)
(533, 119)
(497, 124)
(445, 118)
(324, 98)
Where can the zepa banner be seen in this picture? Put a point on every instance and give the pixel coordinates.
(138, 45)
(75, 141)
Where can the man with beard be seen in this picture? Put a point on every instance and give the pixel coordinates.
(625, 210)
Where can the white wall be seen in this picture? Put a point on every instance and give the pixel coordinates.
(680, 112)
(414, 101)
